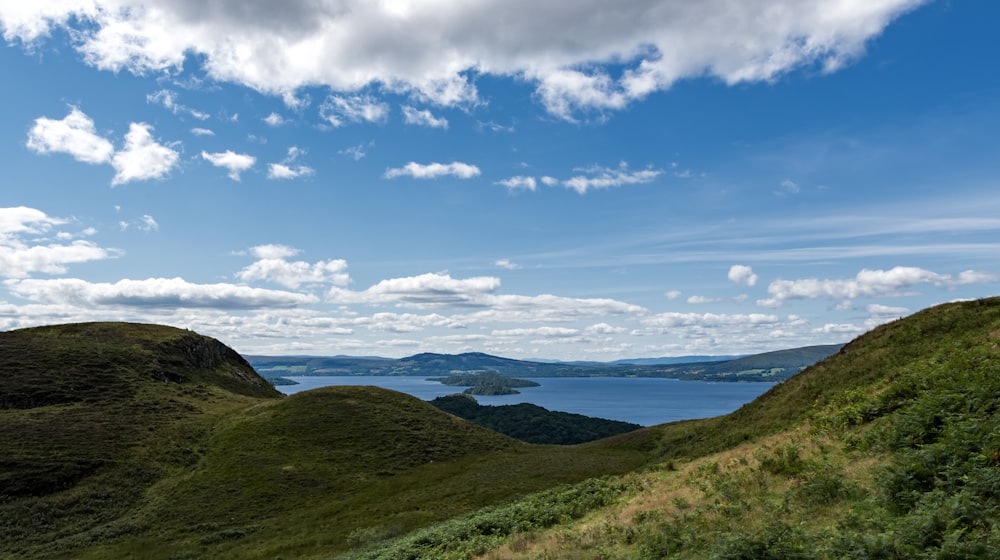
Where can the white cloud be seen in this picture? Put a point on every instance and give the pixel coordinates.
(696, 300)
(149, 223)
(22, 254)
(434, 170)
(74, 135)
(706, 320)
(274, 119)
(519, 182)
(603, 178)
(868, 283)
(168, 99)
(672, 294)
(544, 332)
(273, 251)
(426, 48)
(604, 328)
(282, 171)
(235, 163)
(153, 293)
(285, 169)
(506, 263)
(549, 181)
(425, 290)
(423, 118)
(273, 266)
(202, 132)
(441, 291)
(142, 158)
(340, 110)
(742, 274)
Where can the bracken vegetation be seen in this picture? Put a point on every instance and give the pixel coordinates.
(158, 444)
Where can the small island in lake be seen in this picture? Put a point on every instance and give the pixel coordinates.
(486, 383)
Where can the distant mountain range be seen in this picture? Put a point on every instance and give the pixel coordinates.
(769, 366)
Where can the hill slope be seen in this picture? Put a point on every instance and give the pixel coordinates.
(124, 440)
(890, 449)
(92, 414)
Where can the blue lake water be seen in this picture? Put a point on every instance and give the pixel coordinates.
(640, 400)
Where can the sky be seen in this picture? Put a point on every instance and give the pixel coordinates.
(541, 179)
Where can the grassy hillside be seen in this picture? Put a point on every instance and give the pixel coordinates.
(890, 449)
(93, 414)
(141, 441)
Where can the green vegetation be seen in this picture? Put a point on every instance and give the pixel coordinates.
(888, 450)
(486, 383)
(136, 441)
(532, 423)
(140, 441)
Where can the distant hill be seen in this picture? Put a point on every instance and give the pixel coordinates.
(769, 366)
(532, 423)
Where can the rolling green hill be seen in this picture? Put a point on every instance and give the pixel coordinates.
(889, 449)
(124, 440)
(138, 441)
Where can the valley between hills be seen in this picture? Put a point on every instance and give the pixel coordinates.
(143, 441)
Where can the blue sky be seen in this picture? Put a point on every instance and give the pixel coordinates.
(558, 180)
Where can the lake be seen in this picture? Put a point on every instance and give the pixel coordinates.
(640, 400)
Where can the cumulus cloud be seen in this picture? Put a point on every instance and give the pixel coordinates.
(868, 283)
(274, 119)
(425, 290)
(604, 328)
(340, 110)
(142, 158)
(74, 135)
(706, 320)
(543, 332)
(426, 48)
(235, 163)
(24, 250)
(273, 266)
(519, 182)
(282, 171)
(287, 169)
(153, 293)
(434, 170)
(423, 118)
(603, 178)
(479, 296)
(202, 132)
(742, 274)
